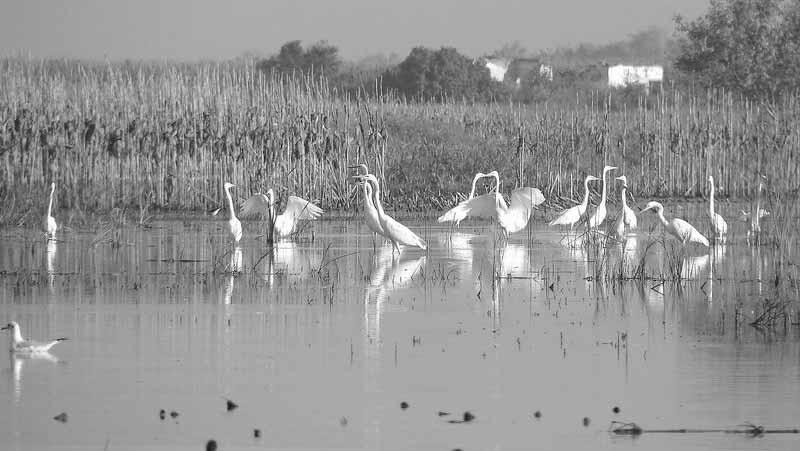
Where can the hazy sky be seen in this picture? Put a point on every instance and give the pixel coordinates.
(194, 29)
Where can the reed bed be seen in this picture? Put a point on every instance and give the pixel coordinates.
(166, 136)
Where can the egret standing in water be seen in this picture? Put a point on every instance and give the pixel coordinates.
(370, 213)
(680, 229)
(234, 226)
(573, 215)
(718, 225)
(511, 218)
(457, 214)
(755, 216)
(49, 222)
(600, 214)
(627, 218)
(396, 232)
(286, 223)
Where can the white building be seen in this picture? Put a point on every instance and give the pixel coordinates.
(621, 75)
(497, 68)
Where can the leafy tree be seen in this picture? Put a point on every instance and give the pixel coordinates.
(321, 58)
(434, 74)
(750, 46)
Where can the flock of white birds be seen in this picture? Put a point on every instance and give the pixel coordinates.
(510, 217)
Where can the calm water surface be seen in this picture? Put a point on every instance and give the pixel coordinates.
(320, 340)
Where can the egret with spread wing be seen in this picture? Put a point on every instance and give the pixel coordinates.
(680, 229)
(49, 222)
(600, 213)
(573, 215)
(396, 232)
(285, 224)
(21, 345)
(234, 226)
(511, 217)
(457, 214)
(627, 218)
(718, 225)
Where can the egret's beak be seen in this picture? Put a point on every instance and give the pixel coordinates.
(645, 209)
(7, 326)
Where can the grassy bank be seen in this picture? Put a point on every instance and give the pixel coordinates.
(148, 136)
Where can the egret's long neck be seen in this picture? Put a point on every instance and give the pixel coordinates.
(472, 192)
(623, 195)
(585, 193)
(603, 195)
(230, 203)
(376, 199)
(711, 200)
(50, 206)
(660, 212)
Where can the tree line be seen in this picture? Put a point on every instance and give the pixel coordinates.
(746, 46)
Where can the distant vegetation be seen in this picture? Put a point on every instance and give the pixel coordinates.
(140, 136)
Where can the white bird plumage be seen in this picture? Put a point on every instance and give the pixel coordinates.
(573, 215)
(600, 213)
(718, 225)
(627, 218)
(234, 225)
(285, 224)
(23, 346)
(396, 232)
(370, 212)
(457, 214)
(680, 229)
(50, 225)
(511, 217)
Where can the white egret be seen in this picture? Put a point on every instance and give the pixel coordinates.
(680, 229)
(20, 345)
(49, 222)
(627, 218)
(396, 232)
(754, 216)
(511, 218)
(234, 226)
(370, 213)
(573, 215)
(600, 213)
(285, 224)
(718, 225)
(456, 214)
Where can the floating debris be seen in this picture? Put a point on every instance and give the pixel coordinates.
(586, 421)
(442, 413)
(174, 414)
(404, 405)
(256, 433)
(343, 421)
(211, 445)
(615, 409)
(230, 405)
(162, 414)
(633, 429)
(62, 417)
(537, 414)
(468, 417)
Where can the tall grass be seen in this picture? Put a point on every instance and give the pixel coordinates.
(166, 136)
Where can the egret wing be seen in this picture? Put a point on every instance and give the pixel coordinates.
(301, 209)
(256, 205)
(484, 206)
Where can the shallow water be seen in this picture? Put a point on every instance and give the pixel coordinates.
(320, 340)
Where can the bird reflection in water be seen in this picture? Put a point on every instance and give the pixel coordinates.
(50, 262)
(234, 267)
(19, 361)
